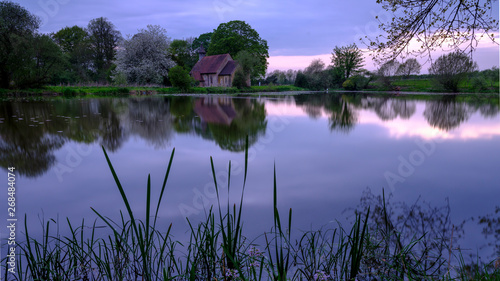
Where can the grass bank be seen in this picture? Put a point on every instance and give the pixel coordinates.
(428, 85)
(97, 91)
(141, 249)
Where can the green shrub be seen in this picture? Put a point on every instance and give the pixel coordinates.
(119, 79)
(180, 78)
(356, 82)
(69, 92)
(349, 84)
(239, 80)
(301, 80)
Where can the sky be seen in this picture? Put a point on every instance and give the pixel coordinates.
(296, 31)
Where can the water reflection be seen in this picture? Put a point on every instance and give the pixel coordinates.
(32, 131)
(447, 114)
(340, 109)
(389, 109)
(421, 234)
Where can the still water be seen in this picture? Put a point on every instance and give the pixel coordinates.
(436, 160)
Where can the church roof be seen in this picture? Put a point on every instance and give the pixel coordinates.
(210, 65)
(229, 68)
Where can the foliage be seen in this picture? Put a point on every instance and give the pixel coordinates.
(432, 24)
(493, 75)
(479, 83)
(348, 59)
(239, 80)
(182, 53)
(317, 76)
(452, 68)
(75, 43)
(356, 83)
(144, 58)
(236, 36)
(180, 78)
(410, 66)
(248, 64)
(204, 39)
(38, 60)
(301, 80)
(389, 68)
(349, 84)
(279, 77)
(17, 26)
(104, 39)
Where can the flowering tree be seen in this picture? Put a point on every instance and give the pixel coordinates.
(144, 58)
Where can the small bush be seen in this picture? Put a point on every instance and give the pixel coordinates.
(301, 80)
(180, 78)
(68, 92)
(119, 79)
(239, 80)
(356, 82)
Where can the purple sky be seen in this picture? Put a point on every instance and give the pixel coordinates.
(296, 31)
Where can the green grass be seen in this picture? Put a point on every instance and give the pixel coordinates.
(99, 91)
(428, 85)
(137, 249)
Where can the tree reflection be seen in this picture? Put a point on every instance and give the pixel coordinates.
(113, 134)
(242, 118)
(150, 119)
(446, 114)
(407, 239)
(390, 108)
(182, 112)
(24, 141)
(341, 109)
(343, 116)
(491, 228)
(489, 110)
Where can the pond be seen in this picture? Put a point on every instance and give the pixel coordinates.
(435, 160)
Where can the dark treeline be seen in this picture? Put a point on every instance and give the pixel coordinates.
(97, 54)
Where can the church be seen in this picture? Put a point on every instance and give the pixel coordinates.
(214, 71)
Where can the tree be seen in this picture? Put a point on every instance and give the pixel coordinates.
(16, 25)
(386, 71)
(75, 43)
(38, 59)
(182, 53)
(144, 58)
(410, 66)
(301, 80)
(248, 64)
(180, 78)
(204, 39)
(348, 59)
(452, 68)
(235, 36)
(239, 80)
(389, 68)
(316, 75)
(290, 76)
(432, 23)
(104, 39)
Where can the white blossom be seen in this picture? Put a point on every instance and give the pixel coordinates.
(144, 58)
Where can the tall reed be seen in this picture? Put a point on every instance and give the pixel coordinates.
(218, 249)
